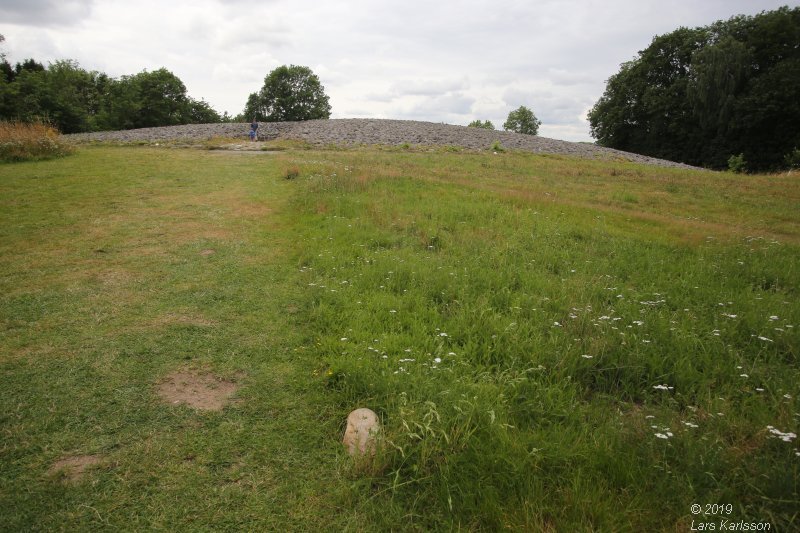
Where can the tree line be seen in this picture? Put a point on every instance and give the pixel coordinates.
(521, 120)
(727, 94)
(75, 100)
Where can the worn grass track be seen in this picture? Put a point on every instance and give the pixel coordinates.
(106, 289)
(552, 344)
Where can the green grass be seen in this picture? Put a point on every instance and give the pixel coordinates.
(524, 326)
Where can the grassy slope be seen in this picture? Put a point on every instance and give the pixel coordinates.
(496, 274)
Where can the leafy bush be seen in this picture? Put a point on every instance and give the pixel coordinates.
(486, 124)
(792, 159)
(736, 163)
(497, 147)
(20, 141)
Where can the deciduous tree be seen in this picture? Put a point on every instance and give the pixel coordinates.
(522, 120)
(289, 93)
(702, 95)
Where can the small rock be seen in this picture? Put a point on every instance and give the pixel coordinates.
(362, 427)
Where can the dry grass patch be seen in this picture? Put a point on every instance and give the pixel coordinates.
(73, 468)
(20, 141)
(197, 389)
(179, 319)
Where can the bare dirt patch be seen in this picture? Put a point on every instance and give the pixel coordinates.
(197, 389)
(74, 467)
(207, 252)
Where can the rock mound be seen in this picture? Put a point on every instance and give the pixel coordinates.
(352, 132)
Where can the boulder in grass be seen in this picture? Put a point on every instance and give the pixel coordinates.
(362, 428)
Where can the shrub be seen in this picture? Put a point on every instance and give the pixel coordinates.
(292, 173)
(486, 124)
(20, 141)
(497, 147)
(736, 163)
(792, 159)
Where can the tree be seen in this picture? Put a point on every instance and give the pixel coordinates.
(486, 124)
(162, 99)
(522, 120)
(6, 71)
(75, 100)
(6, 89)
(289, 93)
(120, 104)
(644, 109)
(201, 112)
(701, 95)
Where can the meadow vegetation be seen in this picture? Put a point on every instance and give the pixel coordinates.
(551, 343)
(30, 141)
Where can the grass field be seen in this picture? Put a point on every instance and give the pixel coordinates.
(551, 344)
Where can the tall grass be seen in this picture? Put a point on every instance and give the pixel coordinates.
(545, 365)
(30, 141)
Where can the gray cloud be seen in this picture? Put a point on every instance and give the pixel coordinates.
(44, 12)
(446, 107)
(420, 87)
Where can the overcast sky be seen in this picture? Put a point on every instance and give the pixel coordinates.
(440, 61)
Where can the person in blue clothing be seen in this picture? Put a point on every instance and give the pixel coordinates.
(254, 130)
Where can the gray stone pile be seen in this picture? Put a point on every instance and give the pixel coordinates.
(351, 132)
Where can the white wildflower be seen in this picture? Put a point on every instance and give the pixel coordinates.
(784, 436)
